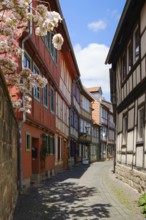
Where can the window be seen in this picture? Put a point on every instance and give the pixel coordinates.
(104, 113)
(140, 124)
(85, 104)
(124, 72)
(48, 42)
(26, 61)
(45, 96)
(51, 145)
(129, 56)
(136, 44)
(72, 118)
(125, 129)
(36, 90)
(28, 142)
(51, 99)
(48, 144)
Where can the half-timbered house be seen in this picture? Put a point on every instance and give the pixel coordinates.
(127, 56)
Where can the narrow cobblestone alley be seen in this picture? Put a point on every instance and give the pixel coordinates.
(81, 193)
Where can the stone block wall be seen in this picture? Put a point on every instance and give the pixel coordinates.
(8, 155)
(132, 177)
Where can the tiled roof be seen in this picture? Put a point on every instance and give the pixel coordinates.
(94, 89)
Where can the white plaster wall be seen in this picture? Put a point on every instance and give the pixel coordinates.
(130, 141)
(143, 18)
(129, 159)
(139, 156)
(123, 159)
(138, 74)
(143, 68)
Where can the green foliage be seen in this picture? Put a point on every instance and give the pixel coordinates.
(142, 203)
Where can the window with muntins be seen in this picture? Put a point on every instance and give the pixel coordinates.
(26, 61)
(131, 54)
(48, 42)
(36, 90)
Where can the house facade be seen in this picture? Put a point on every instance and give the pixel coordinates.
(85, 126)
(127, 56)
(74, 123)
(95, 142)
(102, 115)
(45, 131)
(107, 134)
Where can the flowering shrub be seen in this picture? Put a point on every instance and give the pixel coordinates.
(14, 18)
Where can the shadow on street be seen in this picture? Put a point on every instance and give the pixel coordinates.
(61, 198)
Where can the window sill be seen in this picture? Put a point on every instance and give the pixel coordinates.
(139, 143)
(36, 99)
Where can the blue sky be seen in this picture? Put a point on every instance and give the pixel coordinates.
(91, 25)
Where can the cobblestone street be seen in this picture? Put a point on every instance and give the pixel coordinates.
(81, 193)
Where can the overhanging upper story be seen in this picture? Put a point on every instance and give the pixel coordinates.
(127, 55)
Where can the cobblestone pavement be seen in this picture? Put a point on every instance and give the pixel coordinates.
(81, 193)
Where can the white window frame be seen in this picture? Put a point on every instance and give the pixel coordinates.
(25, 54)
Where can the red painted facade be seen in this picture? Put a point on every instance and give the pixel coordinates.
(41, 123)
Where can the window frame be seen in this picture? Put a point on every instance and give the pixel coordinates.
(129, 56)
(26, 55)
(52, 50)
(45, 96)
(36, 89)
(124, 65)
(52, 102)
(26, 139)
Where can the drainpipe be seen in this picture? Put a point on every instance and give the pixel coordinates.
(24, 113)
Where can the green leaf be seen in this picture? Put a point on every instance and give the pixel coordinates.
(141, 201)
(143, 209)
(144, 196)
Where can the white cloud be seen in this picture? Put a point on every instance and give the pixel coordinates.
(91, 62)
(114, 13)
(98, 25)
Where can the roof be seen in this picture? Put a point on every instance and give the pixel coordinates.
(87, 93)
(67, 45)
(94, 89)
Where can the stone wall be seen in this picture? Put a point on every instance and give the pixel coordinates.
(8, 155)
(132, 177)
